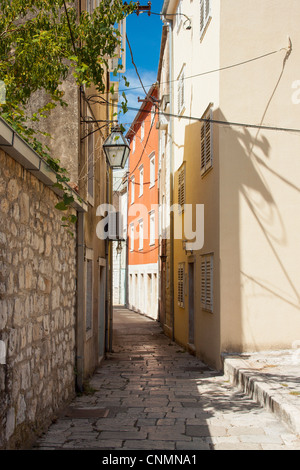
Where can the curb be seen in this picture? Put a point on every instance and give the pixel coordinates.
(240, 374)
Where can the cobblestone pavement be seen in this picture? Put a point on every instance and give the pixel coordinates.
(150, 394)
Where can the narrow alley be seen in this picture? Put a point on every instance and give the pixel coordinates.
(149, 394)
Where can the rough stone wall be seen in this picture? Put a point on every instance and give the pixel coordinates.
(37, 306)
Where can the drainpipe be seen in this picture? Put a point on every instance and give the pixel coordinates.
(126, 248)
(170, 31)
(110, 249)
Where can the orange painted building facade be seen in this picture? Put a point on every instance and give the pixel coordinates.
(142, 222)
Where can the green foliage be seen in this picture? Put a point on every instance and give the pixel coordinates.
(37, 48)
(40, 43)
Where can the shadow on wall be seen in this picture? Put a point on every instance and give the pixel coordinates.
(257, 197)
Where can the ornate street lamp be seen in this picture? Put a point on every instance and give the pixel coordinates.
(116, 149)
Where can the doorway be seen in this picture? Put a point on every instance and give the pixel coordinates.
(101, 310)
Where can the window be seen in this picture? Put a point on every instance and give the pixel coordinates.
(132, 189)
(131, 237)
(205, 15)
(207, 282)
(181, 187)
(152, 228)
(206, 143)
(90, 163)
(152, 170)
(141, 234)
(142, 131)
(141, 181)
(180, 92)
(133, 144)
(180, 288)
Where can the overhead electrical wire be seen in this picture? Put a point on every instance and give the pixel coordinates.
(207, 72)
(213, 121)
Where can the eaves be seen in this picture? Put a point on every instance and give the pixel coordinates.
(20, 151)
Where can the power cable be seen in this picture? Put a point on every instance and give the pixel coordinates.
(215, 70)
(215, 121)
(133, 63)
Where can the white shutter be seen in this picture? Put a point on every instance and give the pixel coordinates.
(207, 9)
(202, 15)
(205, 15)
(180, 91)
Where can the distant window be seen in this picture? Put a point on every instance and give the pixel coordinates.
(141, 234)
(207, 282)
(152, 228)
(133, 144)
(131, 237)
(152, 170)
(142, 131)
(141, 181)
(206, 143)
(132, 189)
(205, 15)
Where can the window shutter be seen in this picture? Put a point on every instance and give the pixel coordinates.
(205, 15)
(208, 155)
(207, 9)
(180, 91)
(202, 15)
(180, 288)
(206, 143)
(203, 277)
(207, 282)
(181, 188)
(203, 147)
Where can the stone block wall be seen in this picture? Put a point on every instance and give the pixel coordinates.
(37, 306)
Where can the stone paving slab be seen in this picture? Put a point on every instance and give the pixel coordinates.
(156, 396)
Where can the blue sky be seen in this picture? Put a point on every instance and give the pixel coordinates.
(144, 34)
